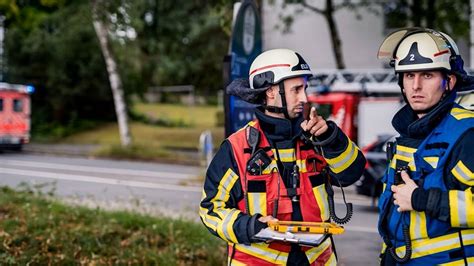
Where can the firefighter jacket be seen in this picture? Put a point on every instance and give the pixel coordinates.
(235, 196)
(437, 151)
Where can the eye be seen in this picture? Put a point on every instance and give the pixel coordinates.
(428, 75)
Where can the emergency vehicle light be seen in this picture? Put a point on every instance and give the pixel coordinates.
(30, 89)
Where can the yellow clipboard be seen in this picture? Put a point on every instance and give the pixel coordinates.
(306, 227)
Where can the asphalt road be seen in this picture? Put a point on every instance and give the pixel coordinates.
(156, 189)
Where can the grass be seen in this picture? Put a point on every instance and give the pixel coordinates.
(152, 141)
(40, 231)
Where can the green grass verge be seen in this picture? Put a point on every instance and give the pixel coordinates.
(151, 141)
(39, 231)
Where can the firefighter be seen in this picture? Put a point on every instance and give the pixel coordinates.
(427, 206)
(265, 171)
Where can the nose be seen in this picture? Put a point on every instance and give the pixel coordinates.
(303, 97)
(416, 85)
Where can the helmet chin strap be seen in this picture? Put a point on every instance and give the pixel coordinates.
(283, 109)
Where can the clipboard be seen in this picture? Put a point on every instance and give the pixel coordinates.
(306, 227)
(302, 233)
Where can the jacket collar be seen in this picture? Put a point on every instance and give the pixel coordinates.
(279, 129)
(407, 123)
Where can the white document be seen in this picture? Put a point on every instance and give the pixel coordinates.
(306, 239)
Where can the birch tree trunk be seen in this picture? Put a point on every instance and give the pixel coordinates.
(114, 77)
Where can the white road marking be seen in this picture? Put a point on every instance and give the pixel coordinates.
(91, 179)
(93, 169)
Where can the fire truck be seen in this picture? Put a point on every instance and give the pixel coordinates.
(15, 111)
(361, 102)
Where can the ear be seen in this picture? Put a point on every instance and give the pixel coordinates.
(452, 81)
(271, 92)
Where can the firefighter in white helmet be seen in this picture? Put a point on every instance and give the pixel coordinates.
(427, 206)
(267, 171)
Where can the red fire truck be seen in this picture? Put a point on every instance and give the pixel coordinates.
(15, 111)
(361, 102)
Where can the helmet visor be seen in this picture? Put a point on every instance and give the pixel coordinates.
(391, 42)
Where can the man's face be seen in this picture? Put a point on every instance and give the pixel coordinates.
(295, 91)
(424, 89)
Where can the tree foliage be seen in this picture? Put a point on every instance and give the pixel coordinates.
(51, 44)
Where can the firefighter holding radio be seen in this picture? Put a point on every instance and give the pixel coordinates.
(427, 206)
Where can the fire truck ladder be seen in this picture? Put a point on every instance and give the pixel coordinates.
(355, 80)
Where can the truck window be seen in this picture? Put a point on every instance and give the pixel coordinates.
(1, 104)
(17, 105)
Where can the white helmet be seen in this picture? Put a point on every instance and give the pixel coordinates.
(416, 49)
(273, 66)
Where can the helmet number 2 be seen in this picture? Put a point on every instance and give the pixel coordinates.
(412, 57)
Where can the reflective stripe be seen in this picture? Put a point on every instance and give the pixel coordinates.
(223, 190)
(460, 262)
(460, 113)
(343, 161)
(433, 161)
(302, 165)
(425, 247)
(235, 262)
(315, 252)
(226, 227)
(463, 174)
(271, 167)
(261, 251)
(258, 203)
(405, 149)
(453, 208)
(409, 160)
(461, 208)
(209, 220)
(418, 225)
(322, 200)
(286, 155)
(332, 260)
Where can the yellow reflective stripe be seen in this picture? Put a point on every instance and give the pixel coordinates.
(469, 208)
(322, 200)
(261, 251)
(405, 149)
(235, 262)
(226, 227)
(286, 155)
(470, 261)
(209, 220)
(332, 260)
(223, 190)
(272, 166)
(463, 174)
(433, 161)
(453, 208)
(409, 160)
(461, 208)
(313, 253)
(460, 113)
(343, 161)
(257, 203)
(302, 165)
(424, 247)
(222, 195)
(418, 225)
